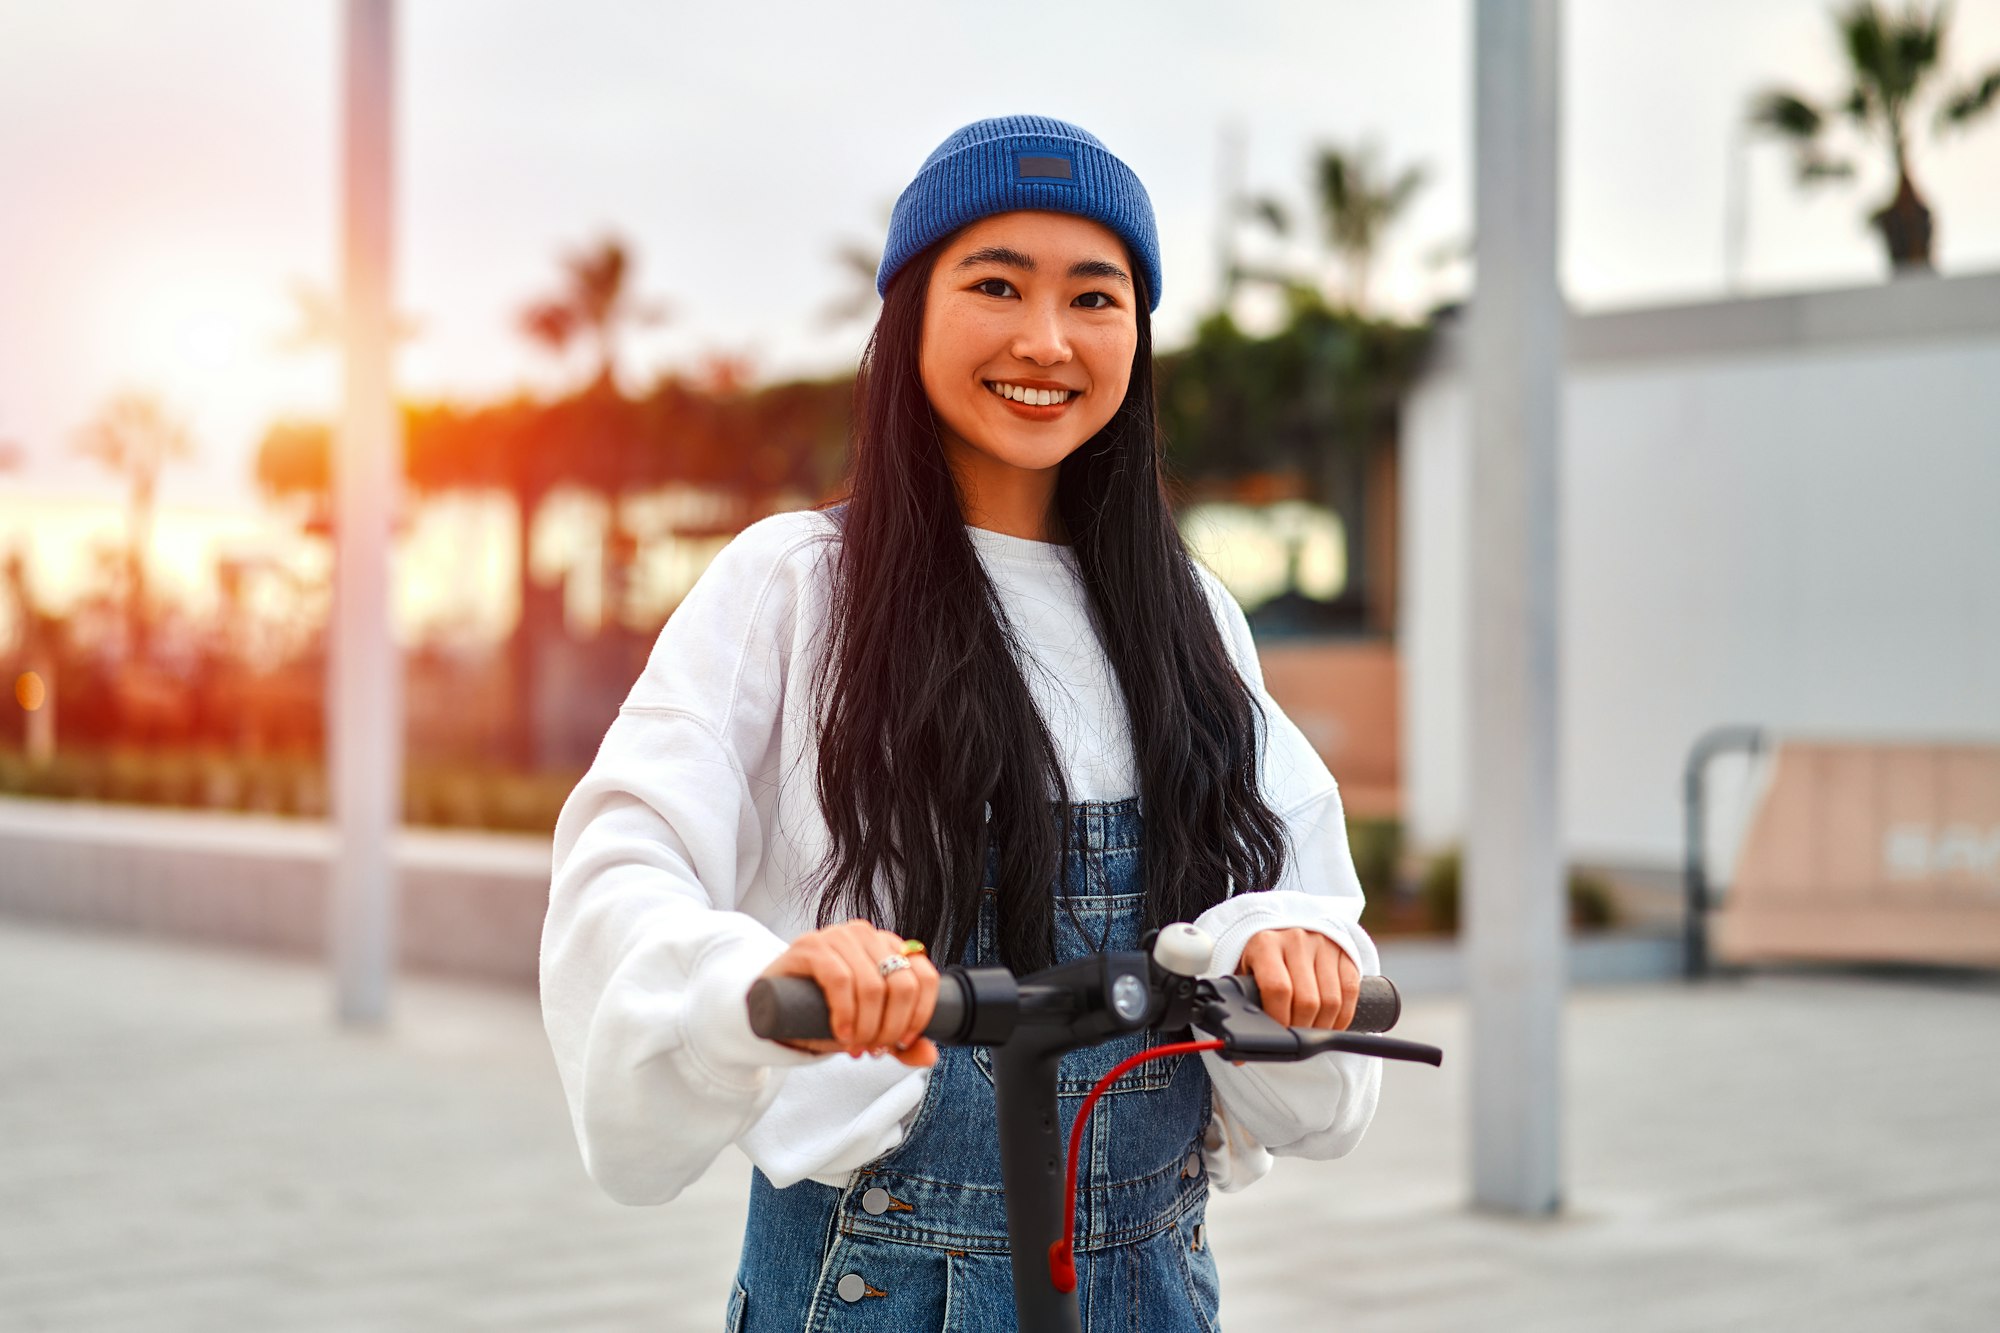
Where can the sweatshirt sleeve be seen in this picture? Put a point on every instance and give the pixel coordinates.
(644, 960)
(1320, 1107)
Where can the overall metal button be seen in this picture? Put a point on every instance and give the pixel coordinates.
(1192, 1166)
(875, 1202)
(851, 1288)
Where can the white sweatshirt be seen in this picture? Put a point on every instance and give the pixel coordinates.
(680, 855)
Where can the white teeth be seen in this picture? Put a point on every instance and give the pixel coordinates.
(1032, 397)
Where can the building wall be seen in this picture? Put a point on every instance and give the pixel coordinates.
(1782, 512)
(1342, 694)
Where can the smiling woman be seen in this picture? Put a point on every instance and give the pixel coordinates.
(1028, 341)
(988, 702)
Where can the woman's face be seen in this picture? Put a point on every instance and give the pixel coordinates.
(1028, 305)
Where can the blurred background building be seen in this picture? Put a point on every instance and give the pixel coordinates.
(1771, 482)
(636, 252)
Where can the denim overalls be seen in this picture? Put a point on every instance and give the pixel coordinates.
(917, 1239)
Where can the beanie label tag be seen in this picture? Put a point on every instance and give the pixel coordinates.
(1042, 167)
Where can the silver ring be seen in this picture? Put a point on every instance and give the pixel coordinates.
(895, 962)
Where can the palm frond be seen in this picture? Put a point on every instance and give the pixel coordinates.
(1336, 180)
(1867, 45)
(1786, 113)
(1269, 211)
(1860, 105)
(550, 323)
(1970, 102)
(1894, 52)
(1403, 189)
(1917, 41)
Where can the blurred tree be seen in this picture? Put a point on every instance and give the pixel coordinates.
(1317, 401)
(135, 437)
(1894, 59)
(1357, 201)
(746, 449)
(595, 304)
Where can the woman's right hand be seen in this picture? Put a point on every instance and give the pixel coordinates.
(867, 1010)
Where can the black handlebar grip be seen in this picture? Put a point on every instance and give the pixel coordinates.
(787, 1009)
(794, 1009)
(1377, 1007)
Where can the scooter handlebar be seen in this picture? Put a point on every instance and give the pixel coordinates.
(794, 1009)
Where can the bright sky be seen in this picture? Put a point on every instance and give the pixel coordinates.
(168, 172)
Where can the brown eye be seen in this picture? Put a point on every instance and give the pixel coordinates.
(1104, 296)
(994, 282)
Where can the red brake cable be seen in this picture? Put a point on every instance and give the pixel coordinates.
(1062, 1253)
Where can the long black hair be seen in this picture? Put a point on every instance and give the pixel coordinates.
(926, 723)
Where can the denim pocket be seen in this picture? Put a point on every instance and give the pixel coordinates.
(732, 1322)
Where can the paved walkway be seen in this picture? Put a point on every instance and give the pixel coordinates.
(186, 1142)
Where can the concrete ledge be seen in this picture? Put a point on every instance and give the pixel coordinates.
(471, 904)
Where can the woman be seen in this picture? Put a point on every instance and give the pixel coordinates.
(935, 713)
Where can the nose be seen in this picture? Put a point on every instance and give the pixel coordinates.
(1041, 336)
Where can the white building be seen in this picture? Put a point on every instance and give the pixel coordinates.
(1782, 512)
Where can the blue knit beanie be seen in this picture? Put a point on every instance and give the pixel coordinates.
(1013, 162)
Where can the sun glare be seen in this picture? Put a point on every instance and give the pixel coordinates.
(206, 337)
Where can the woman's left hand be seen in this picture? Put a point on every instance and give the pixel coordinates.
(1303, 978)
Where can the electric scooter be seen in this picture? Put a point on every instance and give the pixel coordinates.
(1031, 1021)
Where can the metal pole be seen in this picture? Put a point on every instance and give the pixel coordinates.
(1514, 901)
(364, 702)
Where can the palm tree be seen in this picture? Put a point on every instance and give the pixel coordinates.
(136, 437)
(596, 304)
(1358, 201)
(1895, 59)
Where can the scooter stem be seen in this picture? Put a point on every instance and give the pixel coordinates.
(1031, 1163)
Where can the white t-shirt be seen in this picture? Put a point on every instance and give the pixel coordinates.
(680, 856)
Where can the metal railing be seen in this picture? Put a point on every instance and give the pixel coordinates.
(1719, 740)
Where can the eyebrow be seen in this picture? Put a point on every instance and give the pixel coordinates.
(1012, 258)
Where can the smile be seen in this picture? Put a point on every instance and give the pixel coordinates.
(1015, 393)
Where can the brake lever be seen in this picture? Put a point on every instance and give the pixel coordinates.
(1223, 1009)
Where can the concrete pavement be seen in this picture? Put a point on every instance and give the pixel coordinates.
(186, 1142)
